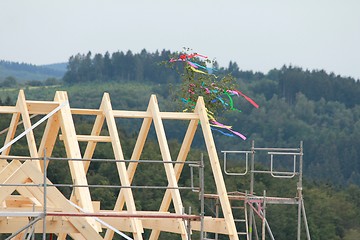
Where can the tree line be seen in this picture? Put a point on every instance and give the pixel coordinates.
(146, 67)
(119, 66)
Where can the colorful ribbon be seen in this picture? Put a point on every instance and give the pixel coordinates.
(216, 92)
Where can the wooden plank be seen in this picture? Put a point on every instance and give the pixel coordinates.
(8, 170)
(166, 156)
(130, 114)
(10, 136)
(82, 111)
(161, 224)
(27, 125)
(48, 139)
(179, 116)
(214, 225)
(91, 138)
(52, 226)
(18, 201)
(73, 151)
(8, 109)
(163, 115)
(40, 107)
(137, 229)
(216, 169)
(96, 130)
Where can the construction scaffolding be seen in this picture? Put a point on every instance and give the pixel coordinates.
(19, 208)
(255, 205)
(31, 204)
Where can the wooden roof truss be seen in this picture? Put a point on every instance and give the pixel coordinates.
(17, 176)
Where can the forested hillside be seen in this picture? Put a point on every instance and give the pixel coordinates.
(319, 108)
(316, 107)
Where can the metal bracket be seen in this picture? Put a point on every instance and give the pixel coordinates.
(246, 163)
(278, 174)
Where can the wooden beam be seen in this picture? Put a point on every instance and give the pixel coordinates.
(130, 114)
(216, 169)
(81, 111)
(166, 156)
(214, 225)
(21, 103)
(8, 170)
(137, 229)
(96, 130)
(161, 224)
(91, 138)
(49, 138)
(10, 225)
(18, 202)
(73, 151)
(179, 116)
(8, 109)
(40, 107)
(163, 115)
(10, 136)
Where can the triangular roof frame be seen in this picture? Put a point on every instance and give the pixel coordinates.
(63, 120)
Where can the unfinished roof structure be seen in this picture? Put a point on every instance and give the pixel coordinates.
(26, 200)
(31, 204)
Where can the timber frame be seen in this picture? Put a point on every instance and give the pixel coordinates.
(63, 216)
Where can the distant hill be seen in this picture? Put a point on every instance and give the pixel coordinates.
(59, 67)
(23, 72)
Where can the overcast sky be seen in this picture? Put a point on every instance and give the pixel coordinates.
(257, 34)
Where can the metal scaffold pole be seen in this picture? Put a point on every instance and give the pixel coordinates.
(251, 212)
(45, 202)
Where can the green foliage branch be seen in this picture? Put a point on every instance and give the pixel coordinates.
(196, 83)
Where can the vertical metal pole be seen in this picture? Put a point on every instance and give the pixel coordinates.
(305, 222)
(44, 204)
(300, 191)
(255, 228)
(299, 219)
(264, 218)
(201, 172)
(217, 215)
(189, 225)
(251, 212)
(33, 233)
(252, 168)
